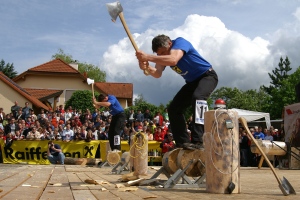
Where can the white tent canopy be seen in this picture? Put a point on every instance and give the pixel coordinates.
(253, 115)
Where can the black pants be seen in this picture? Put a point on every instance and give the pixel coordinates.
(116, 126)
(199, 89)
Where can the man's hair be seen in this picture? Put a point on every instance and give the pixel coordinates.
(101, 97)
(160, 41)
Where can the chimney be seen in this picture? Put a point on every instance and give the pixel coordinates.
(74, 65)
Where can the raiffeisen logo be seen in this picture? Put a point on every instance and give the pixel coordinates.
(290, 112)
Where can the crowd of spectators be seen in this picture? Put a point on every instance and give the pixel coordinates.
(247, 157)
(69, 124)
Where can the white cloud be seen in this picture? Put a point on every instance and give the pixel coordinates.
(239, 61)
(297, 13)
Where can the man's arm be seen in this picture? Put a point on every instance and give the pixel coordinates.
(156, 71)
(164, 60)
(98, 104)
(160, 61)
(54, 149)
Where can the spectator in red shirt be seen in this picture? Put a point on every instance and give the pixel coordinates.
(168, 144)
(159, 135)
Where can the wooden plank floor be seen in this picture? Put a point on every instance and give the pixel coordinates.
(67, 182)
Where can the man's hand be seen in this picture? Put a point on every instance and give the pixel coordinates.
(141, 56)
(144, 65)
(95, 103)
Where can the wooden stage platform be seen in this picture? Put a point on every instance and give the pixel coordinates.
(68, 182)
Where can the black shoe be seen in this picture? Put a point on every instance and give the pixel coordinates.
(199, 146)
(188, 146)
(191, 146)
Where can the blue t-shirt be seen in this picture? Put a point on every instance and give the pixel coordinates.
(115, 107)
(259, 135)
(53, 152)
(191, 66)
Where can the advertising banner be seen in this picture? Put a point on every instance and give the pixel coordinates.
(292, 124)
(35, 151)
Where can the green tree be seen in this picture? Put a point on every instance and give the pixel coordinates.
(284, 95)
(247, 100)
(282, 88)
(81, 99)
(92, 71)
(8, 69)
(278, 74)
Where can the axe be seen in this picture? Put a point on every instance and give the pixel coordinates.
(89, 82)
(115, 9)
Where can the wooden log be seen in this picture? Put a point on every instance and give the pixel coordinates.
(269, 148)
(113, 157)
(81, 161)
(169, 161)
(139, 153)
(195, 169)
(221, 146)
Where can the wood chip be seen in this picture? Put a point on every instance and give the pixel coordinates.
(129, 177)
(135, 182)
(91, 181)
(128, 189)
(55, 184)
(149, 197)
(119, 185)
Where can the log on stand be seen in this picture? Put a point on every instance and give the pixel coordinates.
(169, 161)
(196, 169)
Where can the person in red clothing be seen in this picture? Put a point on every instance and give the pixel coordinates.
(159, 119)
(168, 144)
(54, 120)
(77, 121)
(159, 135)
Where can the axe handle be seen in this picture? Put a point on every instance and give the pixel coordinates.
(121, 15)
(245, 125)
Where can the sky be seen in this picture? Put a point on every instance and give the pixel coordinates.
(242, 39)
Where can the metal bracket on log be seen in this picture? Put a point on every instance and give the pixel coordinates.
(173, 180)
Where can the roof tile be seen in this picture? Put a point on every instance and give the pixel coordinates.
(56, 65)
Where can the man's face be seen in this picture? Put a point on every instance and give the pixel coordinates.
(164, 50)
(105, 99)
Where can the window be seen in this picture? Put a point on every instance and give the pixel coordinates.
(68, 94)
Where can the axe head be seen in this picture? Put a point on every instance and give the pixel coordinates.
(114, 9)
(90, 81)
